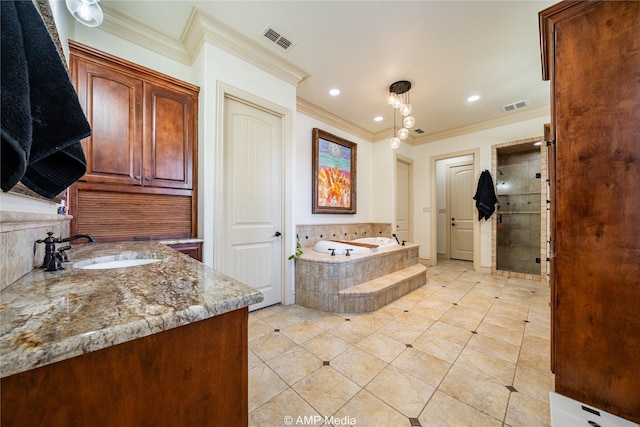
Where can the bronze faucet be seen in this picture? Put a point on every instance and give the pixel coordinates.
(52, 260)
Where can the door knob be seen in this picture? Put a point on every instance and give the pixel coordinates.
(278, 234)
(453, 225)
(453, 219)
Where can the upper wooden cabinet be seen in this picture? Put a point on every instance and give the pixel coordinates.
(591, 54)
(142, 153)
(144, 123)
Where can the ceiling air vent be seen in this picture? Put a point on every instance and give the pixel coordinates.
(276, 37)
(418, 131)
(515, 105)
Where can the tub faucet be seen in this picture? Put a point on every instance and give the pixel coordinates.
(396, 237)
(347, 251)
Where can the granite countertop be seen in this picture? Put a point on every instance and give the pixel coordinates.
(46, 317)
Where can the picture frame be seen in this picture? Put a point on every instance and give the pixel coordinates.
(334, 174)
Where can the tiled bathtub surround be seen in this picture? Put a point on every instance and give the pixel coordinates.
(18, 232)
(356, 284)
(310, 234)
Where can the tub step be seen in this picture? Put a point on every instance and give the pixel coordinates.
(376, 293)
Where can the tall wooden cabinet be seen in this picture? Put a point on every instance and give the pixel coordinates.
(591, 55)
(141, 156)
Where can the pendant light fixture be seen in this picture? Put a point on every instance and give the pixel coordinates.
(86, 11)
(399, 99)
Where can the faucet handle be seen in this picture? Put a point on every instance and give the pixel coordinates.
(62, 254)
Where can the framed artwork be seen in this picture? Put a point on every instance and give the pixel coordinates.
(334, 183)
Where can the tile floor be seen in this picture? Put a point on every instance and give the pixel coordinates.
(466, 349)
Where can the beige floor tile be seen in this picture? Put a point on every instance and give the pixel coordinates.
(400, 332)
(382, 346)
(414, 320)
(446, 411)
(498, 332)
(349, 332)
(286, 404)
(423, 366)
(271, 345)
(483, 394)
(358, 365)
(462, 317)
(295, 364)
(367, 410)
(326, 390)
(533, 359)
(264, 384)
(438, 330)
(253, 360)
(452, 333)
(438, 347)
(326, 346)
(403, 392)
(515, 323)
(281, 319)
(486, 365)
(536, 383)
(258, 328)
(494, 347)
(527, 411)
(301, 332)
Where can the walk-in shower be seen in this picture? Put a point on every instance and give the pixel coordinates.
(519, 185)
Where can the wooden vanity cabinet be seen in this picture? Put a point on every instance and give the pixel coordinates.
(591, 55)
(142, 154)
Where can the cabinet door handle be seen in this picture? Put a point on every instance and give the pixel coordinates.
(147, 178)
(138, 177)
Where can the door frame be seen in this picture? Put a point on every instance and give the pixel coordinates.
(433, 240)
(448, 193)
(409, 163)
(223, 91)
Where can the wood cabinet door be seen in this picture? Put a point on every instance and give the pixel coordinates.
(169, 138)
(112, 102)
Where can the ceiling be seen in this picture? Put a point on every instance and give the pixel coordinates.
(448, 50)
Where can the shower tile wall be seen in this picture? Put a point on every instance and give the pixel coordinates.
(518, 228)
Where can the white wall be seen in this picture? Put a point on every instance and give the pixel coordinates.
(481, 141)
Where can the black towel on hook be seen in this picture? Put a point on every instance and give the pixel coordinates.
(42, 121)
(485, 196)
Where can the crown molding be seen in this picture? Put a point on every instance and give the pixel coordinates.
(138, 32)
(312, 110)
(506, 119)
(200, 28)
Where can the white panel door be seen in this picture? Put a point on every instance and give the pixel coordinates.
(461, 210)
(252, 249)
(403, 201)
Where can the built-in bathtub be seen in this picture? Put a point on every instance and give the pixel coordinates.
(355, 246)
(361, 282)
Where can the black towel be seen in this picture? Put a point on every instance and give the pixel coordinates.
(42, 121)
(485, 196)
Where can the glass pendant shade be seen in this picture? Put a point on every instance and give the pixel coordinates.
(403, 133)
(397, 103)
(394, 143)
(405, 110)
(391, 99)
(408, 122)
(86, 11)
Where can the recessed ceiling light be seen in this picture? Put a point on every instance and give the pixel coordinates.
(377, 118)
(334, 92)
(537, 143)
(473, 98)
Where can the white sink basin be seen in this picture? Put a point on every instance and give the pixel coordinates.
(118, 261)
